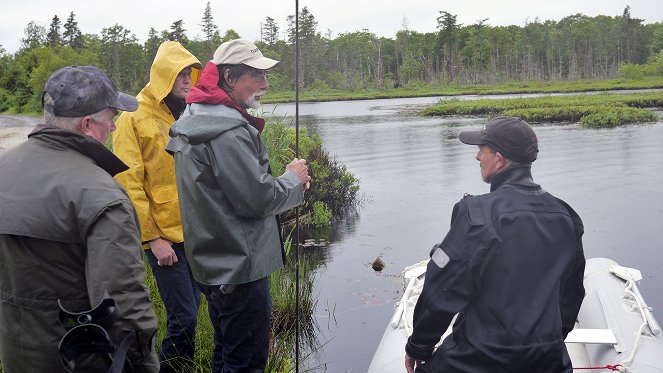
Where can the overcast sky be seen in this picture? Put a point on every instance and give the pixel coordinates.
(382, 17)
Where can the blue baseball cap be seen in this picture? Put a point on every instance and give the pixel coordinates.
(77, 91)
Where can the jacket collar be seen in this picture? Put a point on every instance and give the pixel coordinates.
(207, 91)
(519, 176)
(64, 139)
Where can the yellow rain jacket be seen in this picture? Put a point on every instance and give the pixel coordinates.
(140, 141)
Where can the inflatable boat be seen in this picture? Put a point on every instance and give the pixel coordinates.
(615, 330)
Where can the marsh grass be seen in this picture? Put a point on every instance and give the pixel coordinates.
(282, 334)
(596, 111)
(334, 190)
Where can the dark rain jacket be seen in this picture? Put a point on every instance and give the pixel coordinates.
(512, 267)
(228, 197)
(68, 232)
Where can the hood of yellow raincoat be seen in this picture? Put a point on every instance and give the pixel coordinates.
(140, 140)
(171, 58)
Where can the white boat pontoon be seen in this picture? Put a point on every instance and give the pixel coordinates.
(615, 331)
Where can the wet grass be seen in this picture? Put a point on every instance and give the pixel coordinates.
(282, 334)
(594, 111)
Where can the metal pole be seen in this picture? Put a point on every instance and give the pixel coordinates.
(297, 156)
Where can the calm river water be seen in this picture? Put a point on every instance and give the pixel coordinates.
(414, 169)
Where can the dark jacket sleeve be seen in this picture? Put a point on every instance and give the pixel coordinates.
(114, 265)
(572, 289)
(451, 281)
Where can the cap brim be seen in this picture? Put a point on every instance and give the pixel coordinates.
(262, 63)
(125, 102)
(471, 138)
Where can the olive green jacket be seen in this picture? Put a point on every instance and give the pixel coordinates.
(68, 232)
(228, 198)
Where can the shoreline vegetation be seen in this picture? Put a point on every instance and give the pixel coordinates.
(602, 110)
(428, 90)
(567, 108)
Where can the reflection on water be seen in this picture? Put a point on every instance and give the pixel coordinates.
(414, 169)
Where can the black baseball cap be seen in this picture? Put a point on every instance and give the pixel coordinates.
(77, 91)
(511, 136)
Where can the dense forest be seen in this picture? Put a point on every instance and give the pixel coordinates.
(575, 47)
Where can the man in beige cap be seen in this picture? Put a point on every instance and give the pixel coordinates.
(229, 202)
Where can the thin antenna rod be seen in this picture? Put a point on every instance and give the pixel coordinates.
(297, 156)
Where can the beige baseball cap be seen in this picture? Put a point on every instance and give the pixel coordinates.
(238, 51)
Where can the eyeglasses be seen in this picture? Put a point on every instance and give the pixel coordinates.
(258, 75)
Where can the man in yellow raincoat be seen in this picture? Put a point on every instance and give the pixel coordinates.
(140, 141)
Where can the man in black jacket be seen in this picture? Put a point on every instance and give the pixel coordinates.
(511, 267)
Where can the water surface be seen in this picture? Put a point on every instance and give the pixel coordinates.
(413, 170)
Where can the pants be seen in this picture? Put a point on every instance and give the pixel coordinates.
(181, 296)
(241, 326)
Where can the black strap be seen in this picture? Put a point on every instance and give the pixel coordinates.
(86, 335)
(120, 362)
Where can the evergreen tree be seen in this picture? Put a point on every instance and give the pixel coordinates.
(72, 35)
(656, 44)
(270, 31)
(307, 37)
(447, 41)
(230, 35)
(53, 38)
(178, 33)
(207, 23)
(307, 27)
(122, 58)
(210, 29)
(35, 36)
(150, 48)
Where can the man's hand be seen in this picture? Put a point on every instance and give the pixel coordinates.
(299, 167)
(410, 363)
(164, 252)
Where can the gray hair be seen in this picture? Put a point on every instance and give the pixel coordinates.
(234, 73)
(69, 123)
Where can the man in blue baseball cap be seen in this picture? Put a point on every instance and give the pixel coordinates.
(69, 234)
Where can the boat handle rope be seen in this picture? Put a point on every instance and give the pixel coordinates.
(620, 367)
(616, 368)
(629, 291)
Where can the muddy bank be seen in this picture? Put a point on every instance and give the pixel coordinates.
(14, 129)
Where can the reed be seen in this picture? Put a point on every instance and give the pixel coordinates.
(594, 111)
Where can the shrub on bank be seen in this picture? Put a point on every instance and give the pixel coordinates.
(588, 116)
(333, 190)
(601, 110)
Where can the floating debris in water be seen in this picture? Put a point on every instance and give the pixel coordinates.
(312, 242)
(378, 264)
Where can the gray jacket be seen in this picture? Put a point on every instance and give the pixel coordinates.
(228, 198)
(68, 232)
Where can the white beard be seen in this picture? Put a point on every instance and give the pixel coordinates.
(254, 103)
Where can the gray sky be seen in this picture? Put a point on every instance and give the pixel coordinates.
(382, 17)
